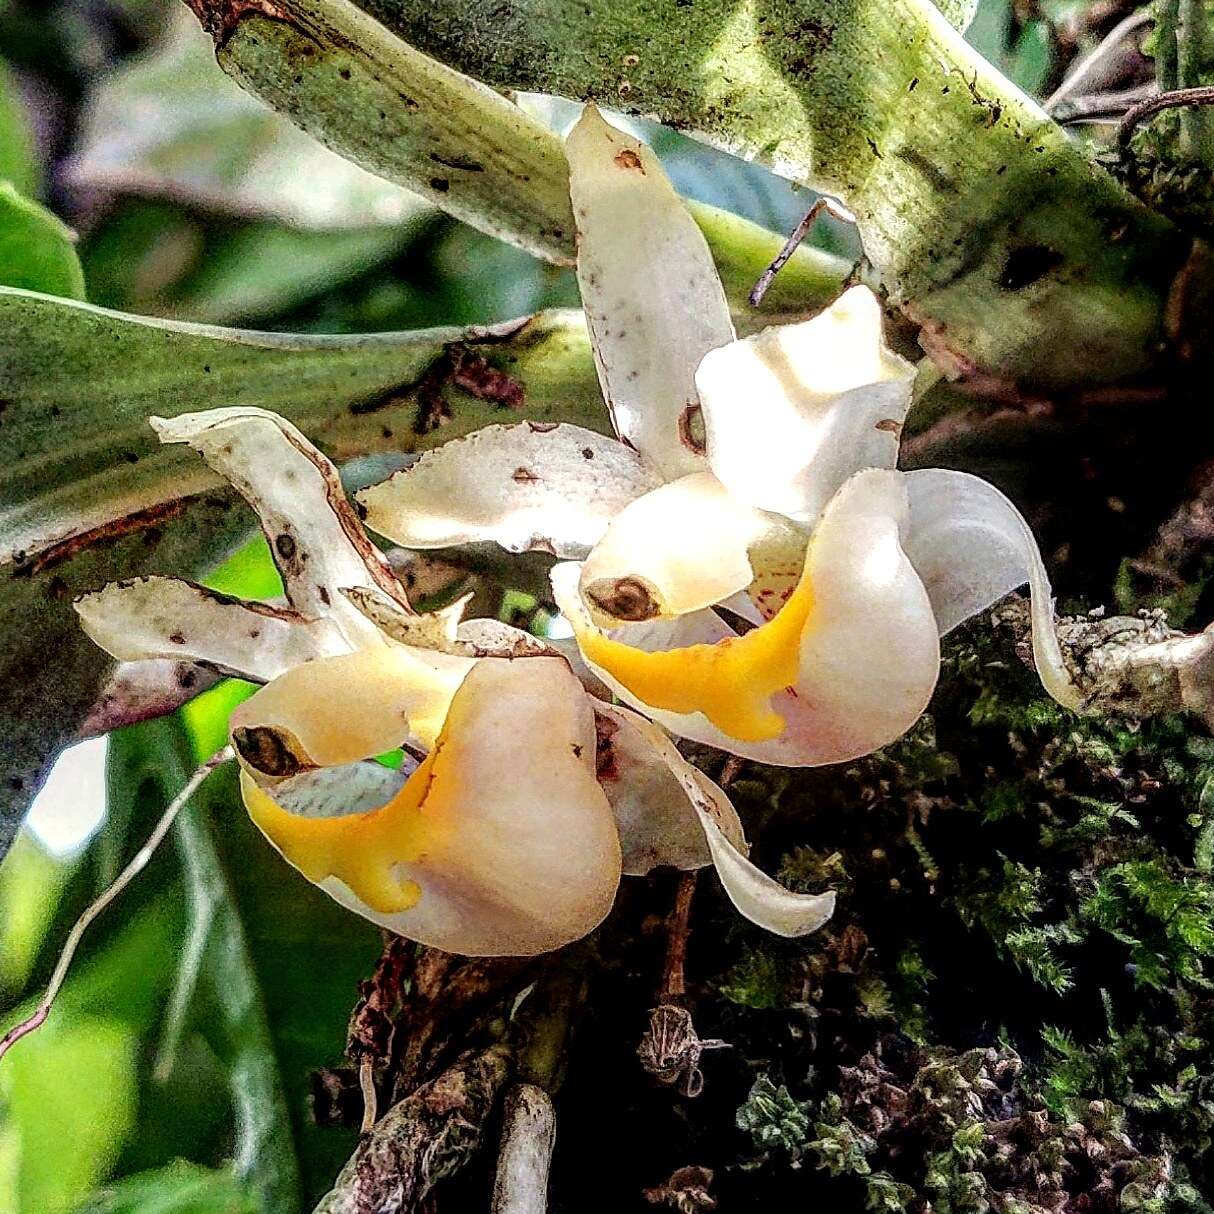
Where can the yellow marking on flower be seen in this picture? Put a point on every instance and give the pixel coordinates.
(730, 682)
(361, 850)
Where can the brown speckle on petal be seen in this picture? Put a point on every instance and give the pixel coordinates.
(691, 429)
(626, 158)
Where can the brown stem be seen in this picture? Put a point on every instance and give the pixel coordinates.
(1172, 100)
(674, 985)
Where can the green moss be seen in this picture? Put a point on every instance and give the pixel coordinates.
(758, 981)
(774, 1119)
(1006, 864)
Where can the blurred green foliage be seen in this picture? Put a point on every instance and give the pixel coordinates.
(201, 1007)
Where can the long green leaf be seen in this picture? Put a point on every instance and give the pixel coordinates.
(409, 119)
(363, 92)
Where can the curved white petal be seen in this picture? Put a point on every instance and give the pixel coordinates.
(160, 617)
(971, 546)
(663, 834)
(317, 541)
(657, 796)
(845, 667)
(761, 899)
(342, 709)
(682, 547)
(653, 301)
(501, 843)
(531, 486)
(793, 411)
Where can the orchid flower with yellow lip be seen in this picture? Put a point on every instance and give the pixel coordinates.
(758, 475)
(533, 798)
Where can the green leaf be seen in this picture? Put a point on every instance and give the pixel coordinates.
(61, 1158)
(409, 119)
(400, 114)
(36, 250)
(31, 886)
(182, 1188)
(53, 1149)
(217, 992)
(1056, 277)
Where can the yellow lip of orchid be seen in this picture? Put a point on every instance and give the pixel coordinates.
(731, 682)
(360, 850)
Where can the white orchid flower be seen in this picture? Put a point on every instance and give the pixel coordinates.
(758, 475)
(532, 799)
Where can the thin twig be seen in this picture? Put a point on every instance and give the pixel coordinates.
(1103, 107)
(832, 208)
(1174, 100)
(674, 984)
(1087, 67)
(124, 878)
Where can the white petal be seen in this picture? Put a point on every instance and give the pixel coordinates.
(639, 747)
(501, 843)
(317, 541)
(971, 546)
(530, 486)
(794, 411)
(680, 548)
(656, 795)
(759, 898)
(160, 617)
(346, 708)
(653, 301)
(845, 667)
